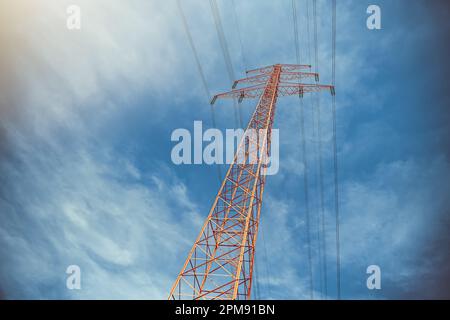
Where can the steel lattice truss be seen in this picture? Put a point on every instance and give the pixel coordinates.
(285, 76)
(220, 263)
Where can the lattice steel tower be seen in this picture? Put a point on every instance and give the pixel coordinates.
(220, 263)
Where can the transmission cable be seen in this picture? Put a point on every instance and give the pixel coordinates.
(308, 33)
(202, 75)
(335, 162)
(320, 162)
(244, 60)
(304, 158)
(226, 55)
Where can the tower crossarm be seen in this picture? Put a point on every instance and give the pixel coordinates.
(284, 68)
(288, 76)
(284, 76)
(284, 89)
(290, 89)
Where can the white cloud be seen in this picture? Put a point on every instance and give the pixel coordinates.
(75, 211)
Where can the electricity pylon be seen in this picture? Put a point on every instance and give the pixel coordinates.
(220, 263)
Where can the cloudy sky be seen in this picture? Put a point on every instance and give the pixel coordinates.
(86, 176)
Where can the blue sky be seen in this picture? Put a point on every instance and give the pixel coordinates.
(85, 168)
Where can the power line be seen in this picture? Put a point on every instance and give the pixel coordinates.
(201, 73)
(244, 60)
(321, 177)
(296, 36)
(316, 185)
(306, 198)
(308, 31)
(304, 158)
(226, 55)
(336, 173)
